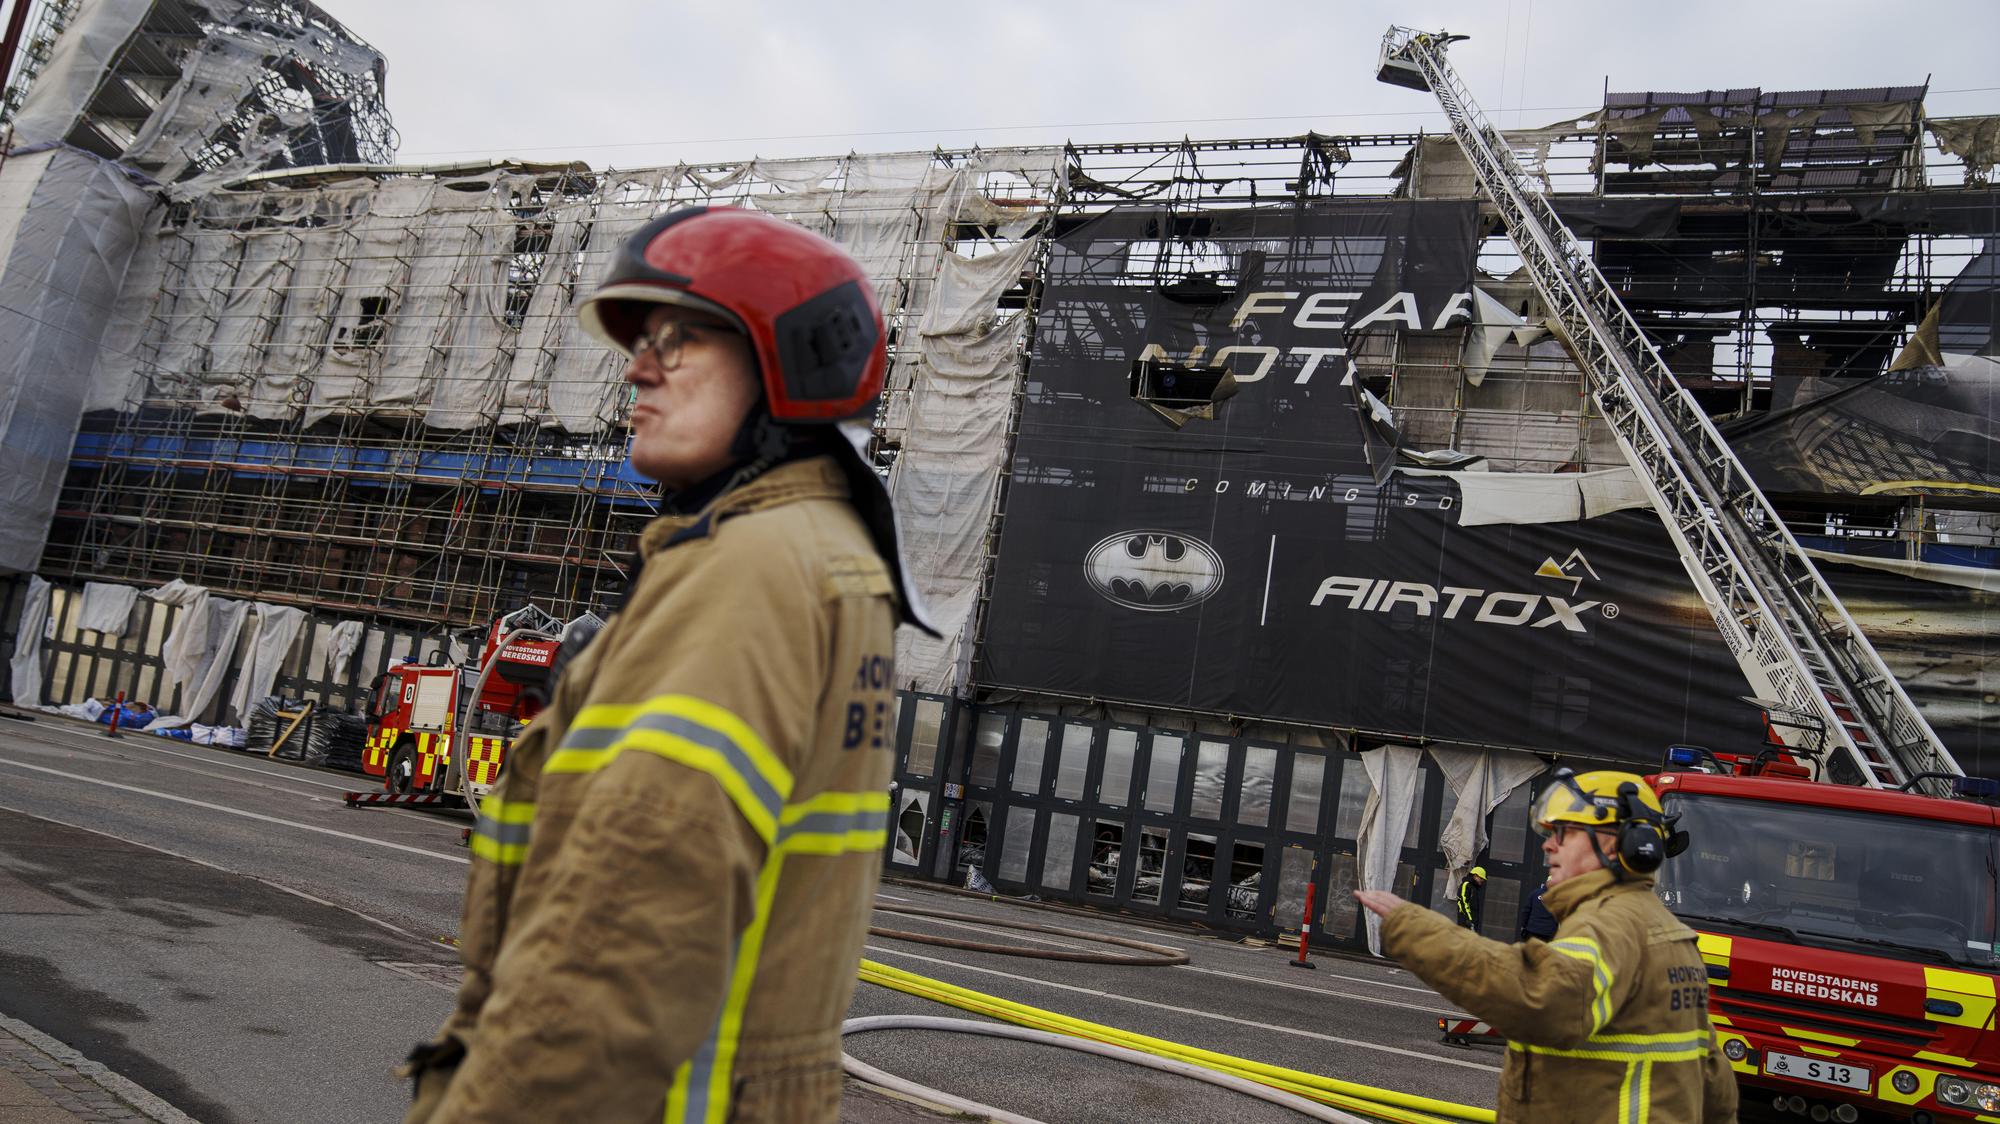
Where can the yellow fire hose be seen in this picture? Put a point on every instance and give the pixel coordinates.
(1384, 1104)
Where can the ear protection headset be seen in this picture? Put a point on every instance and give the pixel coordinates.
(1642, 833)
(1645, 838)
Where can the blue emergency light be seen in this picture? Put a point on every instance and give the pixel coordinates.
(1686, 756)
(1975, 788)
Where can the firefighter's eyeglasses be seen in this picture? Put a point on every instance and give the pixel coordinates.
(667, 341)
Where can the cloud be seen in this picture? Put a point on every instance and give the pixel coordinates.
(629, 82)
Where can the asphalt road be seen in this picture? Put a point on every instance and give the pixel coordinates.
(223, 930)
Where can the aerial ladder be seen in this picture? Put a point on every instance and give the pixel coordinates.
(1823, 683)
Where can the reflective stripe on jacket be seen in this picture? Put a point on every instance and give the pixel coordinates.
(1608, 1022)
(672, 880)
(1469, 894)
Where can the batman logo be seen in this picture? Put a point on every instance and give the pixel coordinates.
(1154, 571)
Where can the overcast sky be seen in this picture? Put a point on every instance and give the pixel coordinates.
(641, 82)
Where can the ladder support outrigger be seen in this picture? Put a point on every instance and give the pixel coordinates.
(1789, 633)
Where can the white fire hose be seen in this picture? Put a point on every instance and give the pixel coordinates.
(460, 753)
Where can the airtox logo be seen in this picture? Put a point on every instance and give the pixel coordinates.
(1502, 607)
(1153, 571)
(1571, 569)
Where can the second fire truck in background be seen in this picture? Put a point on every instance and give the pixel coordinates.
(423, 715)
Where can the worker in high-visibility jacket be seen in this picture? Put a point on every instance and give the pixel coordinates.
(1609, 1020)
(672, 879)
(1472, 898)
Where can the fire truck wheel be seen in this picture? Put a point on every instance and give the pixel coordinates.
(403, 769)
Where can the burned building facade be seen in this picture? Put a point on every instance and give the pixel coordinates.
(1329, 634)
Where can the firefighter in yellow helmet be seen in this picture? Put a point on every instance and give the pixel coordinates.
(1609, 1020)
(1472, 898)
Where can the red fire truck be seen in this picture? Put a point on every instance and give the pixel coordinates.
(419, 720)
(1849, 934)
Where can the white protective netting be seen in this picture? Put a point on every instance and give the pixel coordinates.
(72, 236)
(448, 300)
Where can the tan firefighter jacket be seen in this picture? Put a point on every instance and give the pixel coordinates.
(1606, 1022)
(672, 880)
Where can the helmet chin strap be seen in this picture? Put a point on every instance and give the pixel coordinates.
(1617, 869)
(760, 443)
(760, 437)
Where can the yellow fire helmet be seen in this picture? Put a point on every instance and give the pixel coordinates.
(1476, 872)
(1592, 800)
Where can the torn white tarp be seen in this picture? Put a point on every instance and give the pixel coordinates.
(178, 592)
(1482, 780)
(1542, 497)
(26, 665)
(1394, 771)
(199, 649)
(186, 317)
(475, 339)
(357, 353)
(86, 711)
(211, 86)
(548, 325)
(944, 485)
(277, 629)
(584, 379)
(895, 171)
(723, 181)
(341, 644)
(62, 271)
(231, 379)
(312, 289)
(458, 227)
(967, 294)
(878, 227)
(1493, 324)
(106, 608)
(799, 174)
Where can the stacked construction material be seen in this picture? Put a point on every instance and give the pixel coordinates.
(336, 740)
(265, 723)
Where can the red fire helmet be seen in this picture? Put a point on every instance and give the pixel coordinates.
(808, 309)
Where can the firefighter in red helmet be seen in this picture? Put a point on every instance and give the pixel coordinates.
(672, 879)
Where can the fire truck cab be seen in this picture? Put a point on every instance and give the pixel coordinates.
(1850, 937)
(423, 715)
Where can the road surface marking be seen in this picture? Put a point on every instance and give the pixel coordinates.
(460, 859)
(1429, 1009)
(1017, 976)
(212, 759)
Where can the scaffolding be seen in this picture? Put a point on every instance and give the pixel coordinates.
(46, 20)
(370, 395)
(362, 390)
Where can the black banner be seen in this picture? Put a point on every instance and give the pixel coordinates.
(1941, 640)
(1251, 566)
